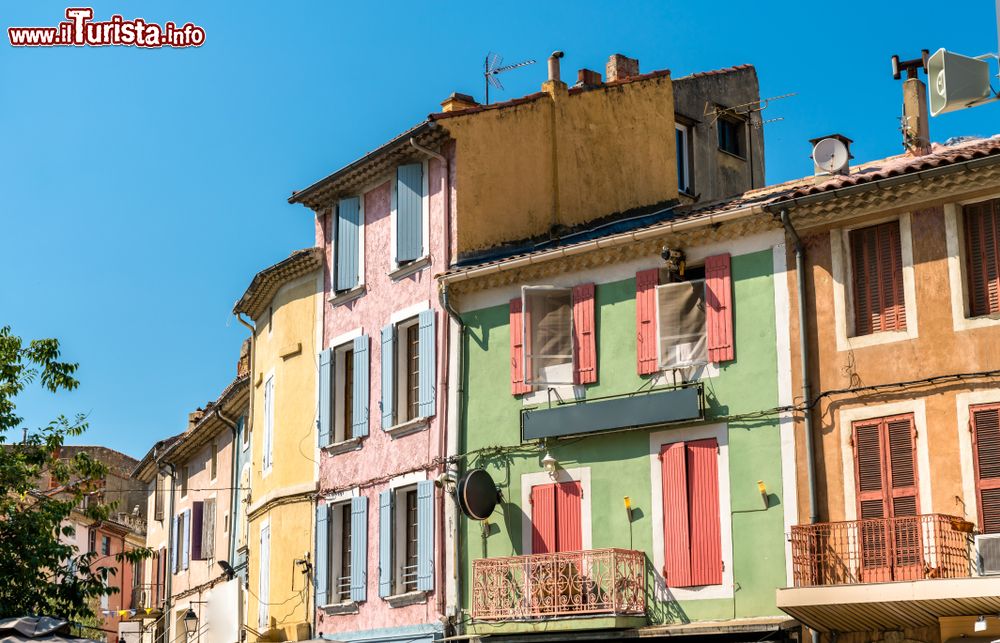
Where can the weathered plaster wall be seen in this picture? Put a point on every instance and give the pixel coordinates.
(619, 462)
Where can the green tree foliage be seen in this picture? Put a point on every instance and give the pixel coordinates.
(42, 575)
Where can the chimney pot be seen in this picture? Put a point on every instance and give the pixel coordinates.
(458, 101)
(621, 67)
(588, 78)
(554, 66)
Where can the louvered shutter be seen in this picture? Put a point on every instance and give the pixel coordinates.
(426, 356)
(645, 320)
(982, 250)
(676, 530)
(158, 497)
(264, 579)
(174, 541)
(719, 313)
(325, 397)
(703, 506)
(425, 535)
(359, 548)
(409, 212)
(197, 529)
(208, 530)
(584, 338)
(986, 438)
(543, 519)
(569, 525)
(186, 539)
(322, 554)
(348, 242)
(869, 470)
(388, 389)
(877, 268)
(517, 385)
(360, 387)
(902, 465)
(385, 544)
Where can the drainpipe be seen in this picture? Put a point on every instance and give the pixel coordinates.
(454, 418)
(253, 350)
(168, 581)
(233, 491)
(804, 362)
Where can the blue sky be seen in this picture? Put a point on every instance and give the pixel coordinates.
(140, 190)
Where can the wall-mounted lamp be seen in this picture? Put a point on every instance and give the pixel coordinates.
(190, 623)
(550, 464)
(763, 492)
(628, 508)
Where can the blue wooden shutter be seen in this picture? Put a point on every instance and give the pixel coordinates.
(186, 539)
(197, 528)
(348, 243)
(322, 551)
(388, 390)
(425, 535)
(426, 357)
(409, 212)
(359, 548)
(325, 397)
(174, 539)
(385, 543)
(359, 412)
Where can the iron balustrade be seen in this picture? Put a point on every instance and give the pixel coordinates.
(881, 550)
(564, 584)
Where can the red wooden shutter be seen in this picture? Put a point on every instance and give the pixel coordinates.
(703, 506)
(986, 451)
(982, 253)
(517, 385)
(676, 539)
(543, 519)
(719, 304)
(645, 320)
(868, 470)
(584, 340)
(900, 439)
(877, 279)
(569, 527)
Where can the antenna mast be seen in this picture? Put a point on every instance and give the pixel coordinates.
(492, 69)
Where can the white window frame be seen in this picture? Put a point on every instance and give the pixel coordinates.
(332, 235)
(843, 291)
(684, 153)
(720, 432)
(544, 384)
(573, 474)
(402, 483)
(421, 261)
(340, 354)
(267, 450)
(954, 225)
(334, 503)
(400, 367)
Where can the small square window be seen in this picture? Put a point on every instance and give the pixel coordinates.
(730, 136)
(682, 336)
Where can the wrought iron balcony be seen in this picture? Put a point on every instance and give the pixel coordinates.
(881, 550)
(567, 584)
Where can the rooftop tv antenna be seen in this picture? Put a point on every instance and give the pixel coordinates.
(492, 68)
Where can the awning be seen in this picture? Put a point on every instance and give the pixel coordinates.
(27, 629)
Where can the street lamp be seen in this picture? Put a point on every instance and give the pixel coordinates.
(190, 622)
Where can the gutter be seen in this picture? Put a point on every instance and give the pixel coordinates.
(454, 415)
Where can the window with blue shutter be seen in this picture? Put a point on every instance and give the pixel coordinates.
(359, 549)
(348, 260)
(385, 544)
(359, 398)
(388, 389)
(326, 392)
(426, 364)
(174, 540)
(425, 535)
(322, 552)
(409, 212)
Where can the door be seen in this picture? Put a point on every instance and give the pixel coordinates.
(555, 584)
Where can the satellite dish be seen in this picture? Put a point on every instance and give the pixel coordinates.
(477, 494)
(831, 155)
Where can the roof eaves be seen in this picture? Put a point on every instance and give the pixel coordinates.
(267, 282)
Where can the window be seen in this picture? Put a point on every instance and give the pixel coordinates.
(877, 279)
(180, 550)
(214, 462)
(408, 370)
(244, 431)
(345, 416)
(556, 517)
(982, 246)
(986, 447)
(136, 575)
(92, 541)
(406, 539)
(552, 337)
(408, 210)
(692, 534)
(184, 473)
(342, 551)
(681, 324)
(730, 135)
(683, 150)
(340, 554)
(270, 320)
(105, 546)
(203, 515)
(347, 263)
(268, 455)
(264, 578)
(158, 490)
(343, 376)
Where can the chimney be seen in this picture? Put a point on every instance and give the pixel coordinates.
(588, 78)
(458, 101)
(621, 67)
(243, 363)
(554, 85)
(194, 417)
(915, 125)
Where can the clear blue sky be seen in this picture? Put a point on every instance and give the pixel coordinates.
(140, 190)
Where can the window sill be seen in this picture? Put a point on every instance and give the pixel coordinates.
(337, 299)
(406, 428)
(983, 321)
(735, 156)
(875, 339)
(335, 609)
(408, 269)
(344, 446)
(409, 598)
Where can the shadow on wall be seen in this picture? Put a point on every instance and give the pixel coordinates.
(661, 606)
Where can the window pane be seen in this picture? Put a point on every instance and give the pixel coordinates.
(410, 565)
(348, 388)
(549, 338)
(681, 311)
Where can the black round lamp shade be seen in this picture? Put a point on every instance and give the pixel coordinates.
(477, 494)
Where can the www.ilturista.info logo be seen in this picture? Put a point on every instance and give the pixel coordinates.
(79, 30)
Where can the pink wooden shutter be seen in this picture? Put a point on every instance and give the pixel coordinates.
(517, 385)
(719, 316)
(676, 543)
(569, 528)
(584, 341)
(645, 320)
(703, 487)
(543, 519)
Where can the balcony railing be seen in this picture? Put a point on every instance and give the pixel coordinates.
(567, 584)
(882, 550)
(146, 596)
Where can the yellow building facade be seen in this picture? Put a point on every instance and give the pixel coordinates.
(279, 473)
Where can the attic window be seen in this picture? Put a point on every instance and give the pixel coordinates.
(731, 136)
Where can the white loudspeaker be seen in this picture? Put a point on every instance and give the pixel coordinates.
(956, 81)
